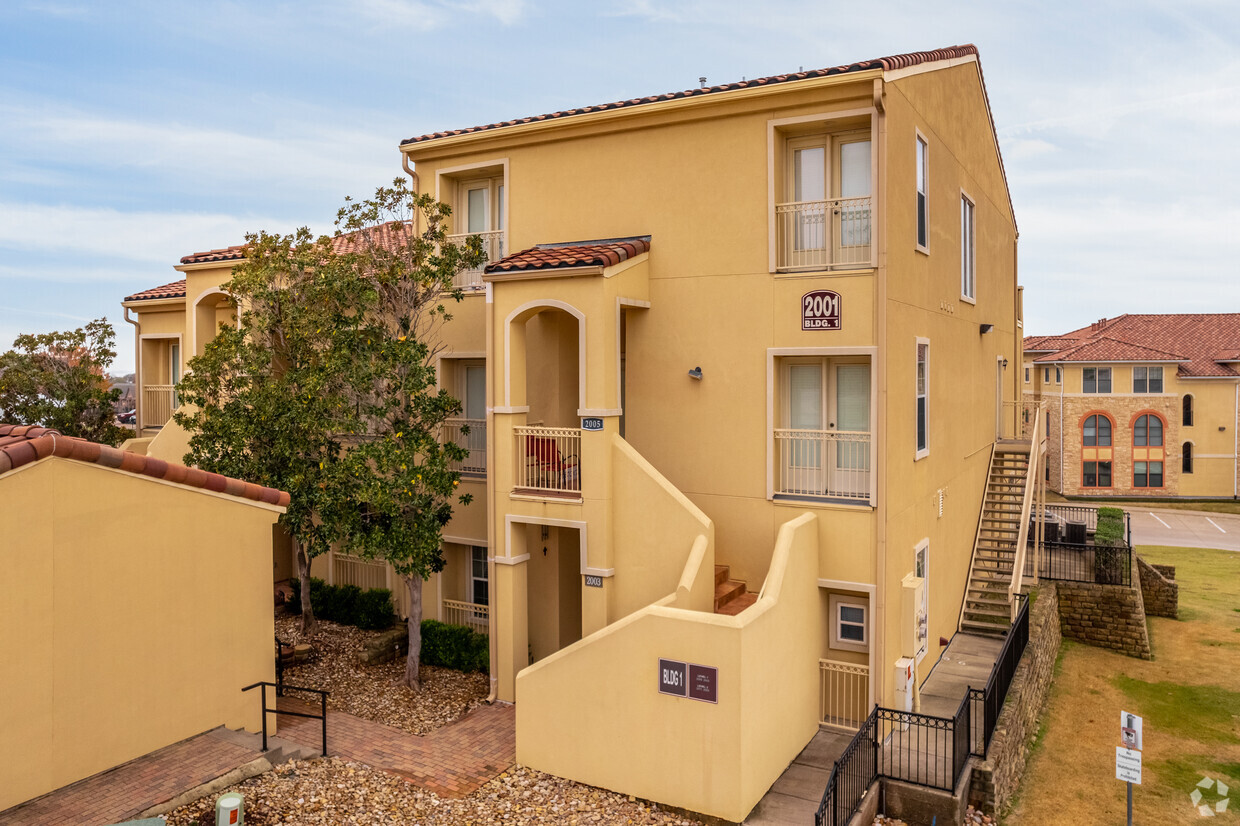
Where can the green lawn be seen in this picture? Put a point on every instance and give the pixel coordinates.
(1189, 696)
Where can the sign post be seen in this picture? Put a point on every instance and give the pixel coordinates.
(1128, 756)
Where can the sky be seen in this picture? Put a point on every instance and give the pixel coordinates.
(133, 133)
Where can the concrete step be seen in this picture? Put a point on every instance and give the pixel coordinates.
(986, 629)
(721, 574)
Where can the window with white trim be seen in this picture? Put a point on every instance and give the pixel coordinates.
(923, 194)
(479, 587)
(923, 382)
(850, 623)
(921, 568)
(968, 251)
(1147, 379)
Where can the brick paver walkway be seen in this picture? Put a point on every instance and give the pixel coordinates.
(122, 792)
(451, 761)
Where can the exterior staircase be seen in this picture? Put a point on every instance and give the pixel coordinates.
(986, 606)
(730, 595)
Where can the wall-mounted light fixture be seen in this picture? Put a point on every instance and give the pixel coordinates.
(696, 373)
(1004, 362)
(986, 328)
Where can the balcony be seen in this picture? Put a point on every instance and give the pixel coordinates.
(547, 461)
(475, 464)
(823, 235)
(470, 614)
(158, 403)
(492, 243)
(823, 464)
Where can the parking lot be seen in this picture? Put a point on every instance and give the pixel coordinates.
(1187, 529)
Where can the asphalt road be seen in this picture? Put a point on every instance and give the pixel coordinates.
(1187, 529)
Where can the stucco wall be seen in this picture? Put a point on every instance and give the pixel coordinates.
(592, 712)
(143, 609)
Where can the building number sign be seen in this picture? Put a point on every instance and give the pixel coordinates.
(820, 310)
(695, 682)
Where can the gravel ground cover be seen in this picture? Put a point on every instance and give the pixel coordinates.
(335, 791)
(373, 691)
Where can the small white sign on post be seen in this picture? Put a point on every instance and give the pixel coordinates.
(1130, 730)
(1127, 765)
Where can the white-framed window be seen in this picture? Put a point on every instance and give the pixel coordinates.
(921, 568)
(1147, 379)
(1026, 375)
(1046, 375)
(482, 205)
(479, 587)
(1058, 375)
(923, 385)
(923, 194)
(968, 251)
(1095, 379)
(850, 623)
(823, 215)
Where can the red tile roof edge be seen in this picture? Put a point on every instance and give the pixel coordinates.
(234, 253)
(23, 444)
(606, 252)
(887, 64)
(175, 289)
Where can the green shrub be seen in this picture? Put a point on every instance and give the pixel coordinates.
(1111, 513)
(454, 646)
(347, 604)
(1110, 532)
(374, 610)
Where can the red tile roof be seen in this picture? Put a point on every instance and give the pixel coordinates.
(1201, 342)
(176, 289)
(235, 253)
(900, 61)
(603, 253)
(23, 444)
(1046, 344)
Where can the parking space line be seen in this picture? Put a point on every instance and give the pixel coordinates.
(1215, 524)
(1164, 524)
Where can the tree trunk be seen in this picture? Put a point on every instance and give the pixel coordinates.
(308, 623)
(413, 662)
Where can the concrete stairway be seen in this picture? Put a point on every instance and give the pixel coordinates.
(278, 751)
(730, 595)
(986, 607)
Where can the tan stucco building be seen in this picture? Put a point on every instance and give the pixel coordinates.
(1140, 405)
(734, 379)
(120, 638)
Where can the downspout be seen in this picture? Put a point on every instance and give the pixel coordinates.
(877, 681)
(1063, 375)
(493, 592)
(137, 373)
(1235, 450)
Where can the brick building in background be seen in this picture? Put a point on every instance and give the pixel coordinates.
(1141, 405)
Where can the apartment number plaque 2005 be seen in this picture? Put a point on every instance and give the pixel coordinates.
(696, 682)
(820, 310)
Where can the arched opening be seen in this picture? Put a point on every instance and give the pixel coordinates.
(1187, 415)
(543, 378)
(212, 310)
(1186, 460)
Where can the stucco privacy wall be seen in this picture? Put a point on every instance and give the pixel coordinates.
(593, 711)
(654, 527)
(118, 638)
(995, 779)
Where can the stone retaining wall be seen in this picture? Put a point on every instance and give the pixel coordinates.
(996, 778)
(1159, 590)
(1106, 616)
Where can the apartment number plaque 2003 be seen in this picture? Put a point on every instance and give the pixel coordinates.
(696, 682)
(820, 310)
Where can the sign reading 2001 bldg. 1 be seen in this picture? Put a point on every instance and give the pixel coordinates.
(820, 310)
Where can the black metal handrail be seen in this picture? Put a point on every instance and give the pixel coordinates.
(991, 698)
(280, 689)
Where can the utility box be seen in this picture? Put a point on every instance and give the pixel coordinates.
(906, 675)
(229, 810)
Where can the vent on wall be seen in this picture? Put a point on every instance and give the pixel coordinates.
(941, 494)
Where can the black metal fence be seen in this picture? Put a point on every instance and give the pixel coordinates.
(1063, 520)
(990, 699)
(281, 688)
(922, 748)
(1101, 565)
